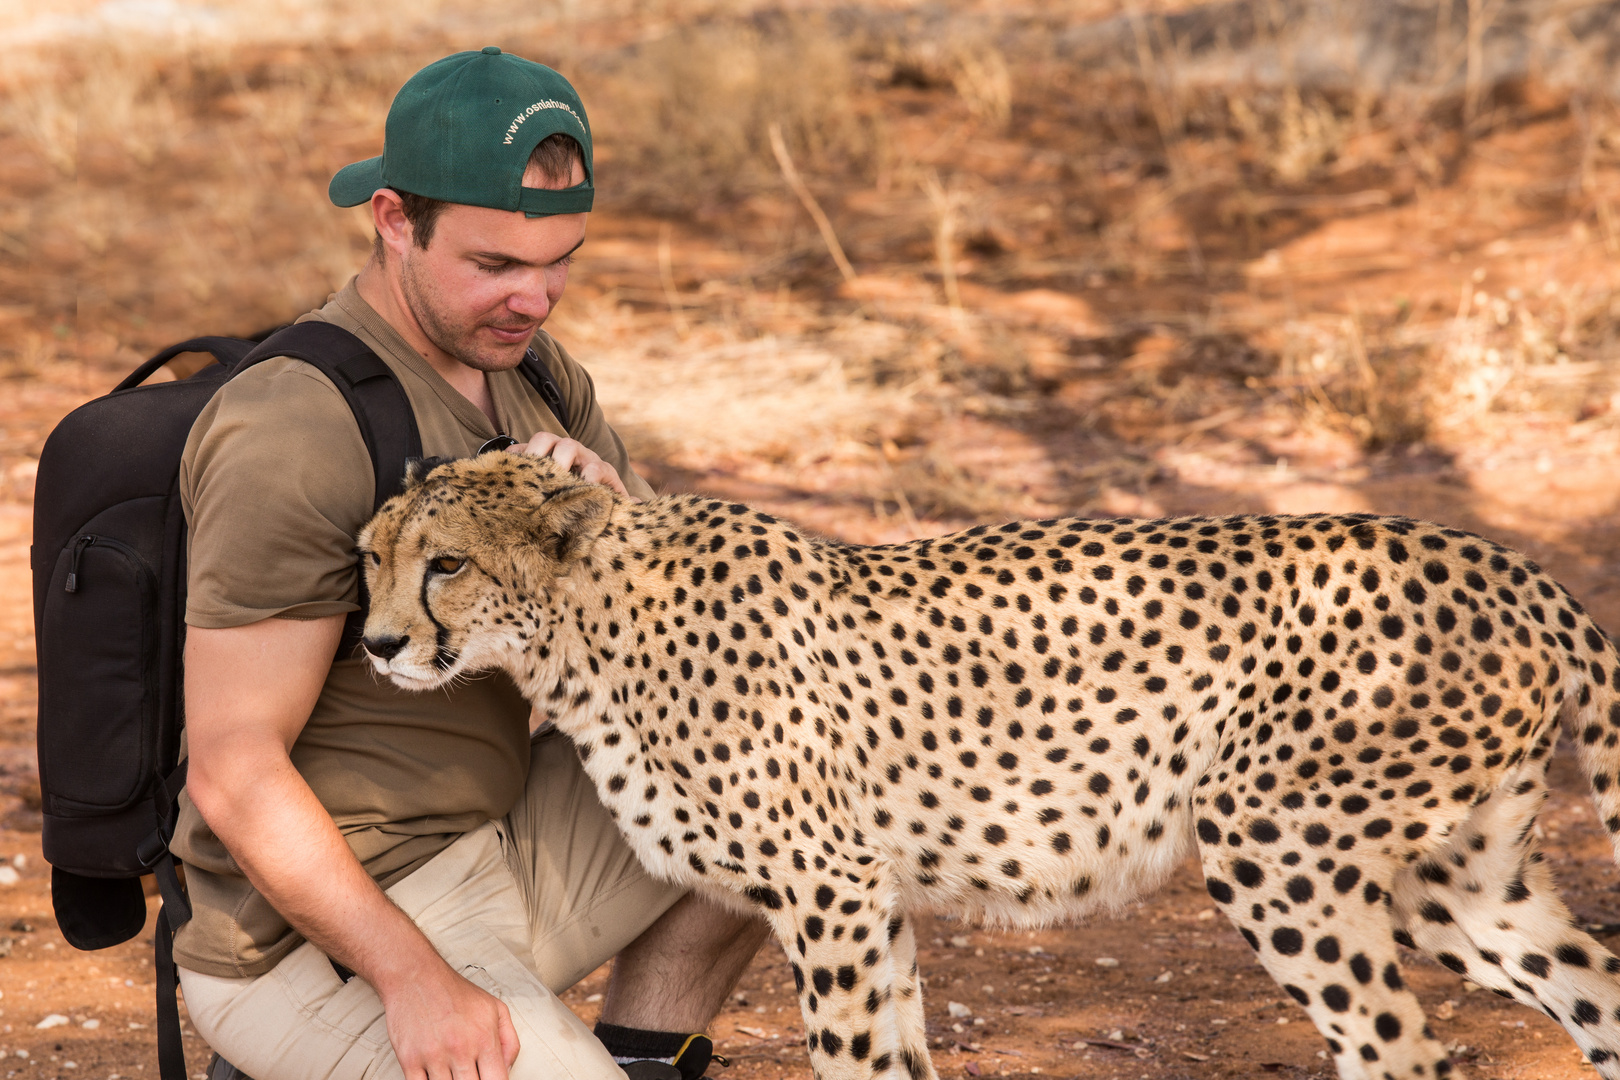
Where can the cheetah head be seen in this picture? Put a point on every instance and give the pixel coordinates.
(455, 562)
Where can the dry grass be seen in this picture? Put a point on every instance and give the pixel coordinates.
(1393, 383)
(684, 116)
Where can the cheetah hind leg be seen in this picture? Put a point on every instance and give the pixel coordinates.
(1322, 930)
(854, 960)
(906, 995)
(1486, 907)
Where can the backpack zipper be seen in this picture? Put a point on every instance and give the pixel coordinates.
(79, 544)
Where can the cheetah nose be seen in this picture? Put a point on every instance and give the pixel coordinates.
(385, 648)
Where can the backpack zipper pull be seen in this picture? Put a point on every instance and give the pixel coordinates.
(79, 545)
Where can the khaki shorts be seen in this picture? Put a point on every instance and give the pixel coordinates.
(524, 907)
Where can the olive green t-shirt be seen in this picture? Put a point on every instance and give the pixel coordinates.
(276, 483)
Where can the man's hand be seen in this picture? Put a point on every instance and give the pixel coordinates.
(249, 693)
(574, 456)
(444, 1027)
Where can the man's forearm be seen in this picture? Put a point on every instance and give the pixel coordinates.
(249, 692)
(265, 814)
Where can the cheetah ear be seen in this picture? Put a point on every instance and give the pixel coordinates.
(417, 469)
(570, 521)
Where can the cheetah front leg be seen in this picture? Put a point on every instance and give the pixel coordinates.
(1486, 907)
(1320, 922)
(854, 962)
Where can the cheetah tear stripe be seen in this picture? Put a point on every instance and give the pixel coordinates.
(1348, 717)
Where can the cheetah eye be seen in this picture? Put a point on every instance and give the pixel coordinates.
(445, 564)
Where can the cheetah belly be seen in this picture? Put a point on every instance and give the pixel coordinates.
(971, 853)
(1056, 824)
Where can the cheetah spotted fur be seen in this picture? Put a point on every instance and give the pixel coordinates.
(1349, 718)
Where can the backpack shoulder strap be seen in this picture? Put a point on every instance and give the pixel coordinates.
(545, 384)
(380, 407)
(371, 389)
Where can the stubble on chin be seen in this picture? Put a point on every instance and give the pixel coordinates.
(453, 338)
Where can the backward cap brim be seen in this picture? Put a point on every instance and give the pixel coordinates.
(356, 183)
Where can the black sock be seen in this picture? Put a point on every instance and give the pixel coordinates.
(639, 1044)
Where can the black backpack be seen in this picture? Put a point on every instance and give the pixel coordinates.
(109, 569)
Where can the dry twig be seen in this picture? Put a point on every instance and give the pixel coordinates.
(796, 182)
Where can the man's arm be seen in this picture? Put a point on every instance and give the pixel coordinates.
(249, 692)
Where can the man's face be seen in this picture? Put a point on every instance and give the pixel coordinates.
(488, 279)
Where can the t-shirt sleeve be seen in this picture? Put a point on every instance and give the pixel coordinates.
(275, 481)
(586, 423)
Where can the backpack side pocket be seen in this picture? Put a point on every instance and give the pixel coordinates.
(98, 714)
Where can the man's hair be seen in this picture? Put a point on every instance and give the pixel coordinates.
(554, 157)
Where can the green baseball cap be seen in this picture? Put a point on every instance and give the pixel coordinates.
(462, 129)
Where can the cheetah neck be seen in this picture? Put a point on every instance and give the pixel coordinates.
(610, 654)
(596, 628)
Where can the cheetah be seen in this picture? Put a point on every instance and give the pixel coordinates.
(1348, 717)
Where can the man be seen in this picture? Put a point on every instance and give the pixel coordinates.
(389, 884)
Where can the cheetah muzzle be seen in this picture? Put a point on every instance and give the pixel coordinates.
(1350, 717)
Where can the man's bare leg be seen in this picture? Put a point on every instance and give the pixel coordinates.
(677, 974)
